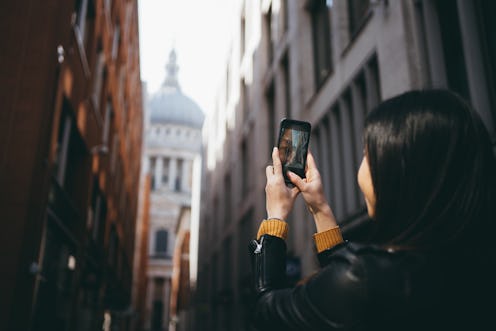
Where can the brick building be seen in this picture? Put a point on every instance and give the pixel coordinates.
(326, 62)
(70, 124)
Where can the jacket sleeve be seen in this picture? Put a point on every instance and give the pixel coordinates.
(332, 299)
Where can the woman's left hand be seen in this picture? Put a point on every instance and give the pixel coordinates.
(279, 197)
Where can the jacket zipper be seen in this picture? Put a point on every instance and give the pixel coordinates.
(258, 262)
(258, 249)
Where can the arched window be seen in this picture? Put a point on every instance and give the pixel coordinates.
(161, 237)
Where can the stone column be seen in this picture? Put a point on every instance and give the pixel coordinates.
(172, 173)
(158, 172)
(186, 171)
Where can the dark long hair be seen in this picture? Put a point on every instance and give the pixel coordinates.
(433, 171)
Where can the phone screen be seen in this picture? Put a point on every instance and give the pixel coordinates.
(294, 137)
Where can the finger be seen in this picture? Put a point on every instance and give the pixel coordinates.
(296, 180)
(276, 161)
(269, 171)
(310, 161)
(294, 192)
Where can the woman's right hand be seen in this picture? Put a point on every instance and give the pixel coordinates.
(313, 193)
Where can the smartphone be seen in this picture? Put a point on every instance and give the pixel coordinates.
(294, 137)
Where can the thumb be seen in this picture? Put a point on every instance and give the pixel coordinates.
(296, 180)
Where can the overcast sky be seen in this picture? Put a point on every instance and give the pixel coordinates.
(198, 30)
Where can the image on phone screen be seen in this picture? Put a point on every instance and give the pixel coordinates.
(292, 148)
(293, 142)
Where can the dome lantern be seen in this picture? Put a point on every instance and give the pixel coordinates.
(171, 69)
(169, 105)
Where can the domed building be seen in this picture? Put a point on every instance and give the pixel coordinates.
(172, 148)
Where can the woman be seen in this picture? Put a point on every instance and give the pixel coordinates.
(428, 180)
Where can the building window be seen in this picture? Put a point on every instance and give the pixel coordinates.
(98, 78)
(287, 85)
(245, 99)
(116, 41)
(122, 85)
(242, 37)
(62, 148)
(453, 48)
(161, 238)
(269, 34)
(321, 38)
(358, 11)
(487, 27)
(85, 14)
(107, 121)
(228, 83)
(269, 97)
(70, 159)
(285, 15)
(244, 166)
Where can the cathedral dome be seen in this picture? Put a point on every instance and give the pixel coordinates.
(169, 105)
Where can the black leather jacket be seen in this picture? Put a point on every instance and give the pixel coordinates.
(364, 287)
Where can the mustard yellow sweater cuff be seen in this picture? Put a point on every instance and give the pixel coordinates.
(273, 227)
(328, 239)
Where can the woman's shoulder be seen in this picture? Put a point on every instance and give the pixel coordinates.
(356, 278)
(376, 269)
(361, 253)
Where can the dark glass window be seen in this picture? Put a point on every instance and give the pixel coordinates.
(321, 37)
(161, 237)
(357, 12)
(454, 58)
(244, 166)
(487, 25)
(85, 15)
(269, 96)
(242, 36)
(268, 34)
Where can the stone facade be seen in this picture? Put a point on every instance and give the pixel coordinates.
(328, 63)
